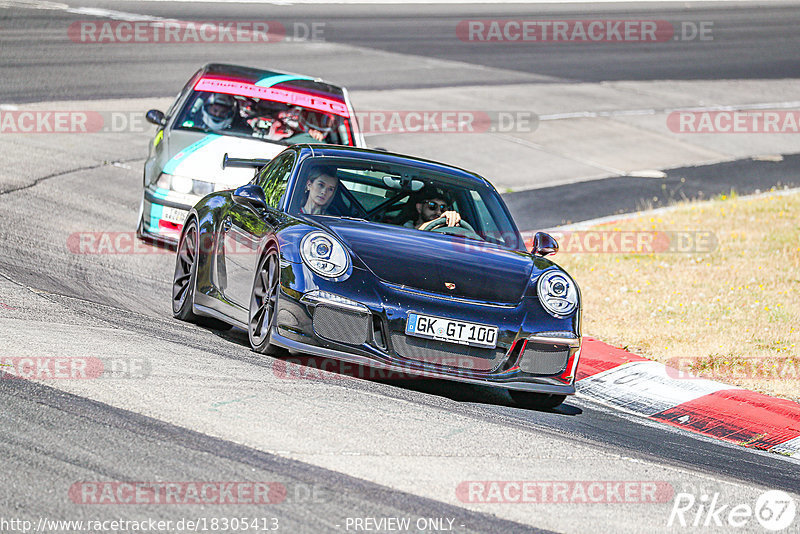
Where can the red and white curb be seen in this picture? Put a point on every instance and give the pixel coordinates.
(629, 382)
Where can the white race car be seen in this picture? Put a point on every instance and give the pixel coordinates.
(249, 112)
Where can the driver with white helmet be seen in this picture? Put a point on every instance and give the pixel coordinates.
(218, 111)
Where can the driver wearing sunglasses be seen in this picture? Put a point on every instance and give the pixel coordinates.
(433, 205)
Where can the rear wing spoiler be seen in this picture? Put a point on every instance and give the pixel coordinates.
(243, 163)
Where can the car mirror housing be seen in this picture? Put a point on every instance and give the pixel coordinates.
(156, 117)
(251, 196)
(544, 244)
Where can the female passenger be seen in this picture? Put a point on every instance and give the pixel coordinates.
(320, 189)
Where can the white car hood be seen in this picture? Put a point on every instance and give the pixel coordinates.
(202, 160)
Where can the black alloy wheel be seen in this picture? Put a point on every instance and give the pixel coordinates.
(264, 303)
(184, 279)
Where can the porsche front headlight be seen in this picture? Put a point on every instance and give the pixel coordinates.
(557, 293)
(324, 255)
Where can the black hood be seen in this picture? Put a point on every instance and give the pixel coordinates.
(432, 261)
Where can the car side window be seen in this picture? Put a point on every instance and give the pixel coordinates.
(186, 89)
(275, 177)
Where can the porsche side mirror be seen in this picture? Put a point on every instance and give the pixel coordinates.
(250, 196)
(156, 117)
(544, 244)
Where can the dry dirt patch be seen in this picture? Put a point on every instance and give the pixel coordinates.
(724, 303)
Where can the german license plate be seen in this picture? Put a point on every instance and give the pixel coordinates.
(173, 215)
(452, 331)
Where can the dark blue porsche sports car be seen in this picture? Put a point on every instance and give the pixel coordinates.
(386, 261)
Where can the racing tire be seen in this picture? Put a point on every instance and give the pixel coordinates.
(185, 277)
(264, 304)
(538, 401)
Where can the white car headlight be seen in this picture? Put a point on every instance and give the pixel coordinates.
(557, 293)
(181, 184)
(324, 255)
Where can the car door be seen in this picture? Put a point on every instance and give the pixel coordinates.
(244, 231)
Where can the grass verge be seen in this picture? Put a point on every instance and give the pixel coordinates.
(707, 287)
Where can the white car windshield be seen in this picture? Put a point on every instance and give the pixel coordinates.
(243, 116)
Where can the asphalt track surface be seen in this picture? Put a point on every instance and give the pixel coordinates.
(544, 207)
(51, 438)
(750, 42)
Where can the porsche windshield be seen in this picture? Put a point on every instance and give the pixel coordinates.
(251, 117)
(402, 195)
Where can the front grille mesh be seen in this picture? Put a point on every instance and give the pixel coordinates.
(446, 354)
(539, 361)
(341, 326)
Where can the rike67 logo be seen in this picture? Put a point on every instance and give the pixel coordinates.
(774, 510)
